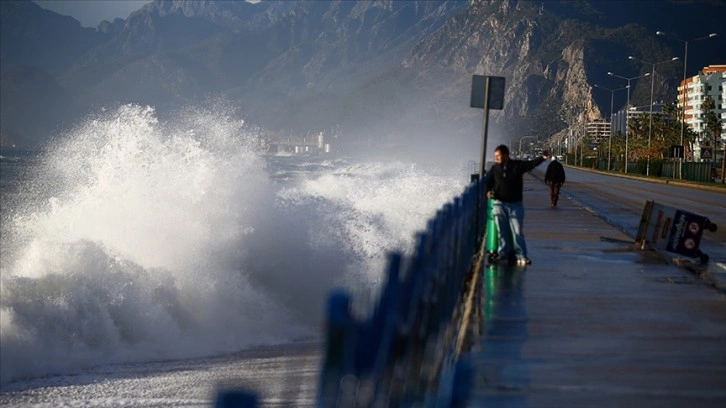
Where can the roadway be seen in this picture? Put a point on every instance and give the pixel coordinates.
(595, 321)
(619, 200)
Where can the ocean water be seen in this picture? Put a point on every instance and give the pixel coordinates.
(137, 245)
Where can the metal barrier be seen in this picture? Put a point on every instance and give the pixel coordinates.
(692, 171)
(669, 169)
(406, 352)
(409, 350)
(697, 171)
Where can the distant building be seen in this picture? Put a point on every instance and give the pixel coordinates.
(621, 118)
(598, 131)
(290, 145)
(694, 90)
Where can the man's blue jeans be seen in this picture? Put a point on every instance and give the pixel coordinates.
(510, 223)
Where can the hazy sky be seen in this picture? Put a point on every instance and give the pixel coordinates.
(91, 12)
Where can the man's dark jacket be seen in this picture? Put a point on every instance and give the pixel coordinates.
(555, 173)
(507, 185)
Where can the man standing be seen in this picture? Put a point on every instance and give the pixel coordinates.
(505, 186)
(555, 178)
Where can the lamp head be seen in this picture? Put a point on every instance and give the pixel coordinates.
(660, 33)
(631, 57)
(674, 59)
(712, 35)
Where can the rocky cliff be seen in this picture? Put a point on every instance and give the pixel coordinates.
(384, 71)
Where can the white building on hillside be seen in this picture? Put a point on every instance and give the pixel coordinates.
(598, 131)
(620, 119)
(711, 81)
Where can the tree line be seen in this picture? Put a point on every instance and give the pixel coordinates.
(665, 133)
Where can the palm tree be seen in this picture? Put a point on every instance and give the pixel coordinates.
(713, 127)
(711, 120)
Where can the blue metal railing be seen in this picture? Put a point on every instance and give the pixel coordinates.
(406, 351)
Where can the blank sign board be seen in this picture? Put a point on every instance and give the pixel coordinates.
(495, 92)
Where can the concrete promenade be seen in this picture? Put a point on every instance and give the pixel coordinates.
(595, 322)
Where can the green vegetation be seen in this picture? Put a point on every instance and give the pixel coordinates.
(712, 121)
(653, 142)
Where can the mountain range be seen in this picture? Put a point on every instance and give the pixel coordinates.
(385, 73)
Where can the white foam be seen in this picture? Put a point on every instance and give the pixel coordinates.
(148, 239)
(132, 248)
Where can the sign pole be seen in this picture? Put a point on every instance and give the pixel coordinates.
(484, 127)
(487, 93)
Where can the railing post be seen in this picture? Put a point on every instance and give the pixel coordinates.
(339, 354)
(405, 351)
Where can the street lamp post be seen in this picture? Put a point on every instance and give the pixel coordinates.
(576, 141)
(584, 135)
(627, 112)
(652, 83)
(685, 88)
(610, 139)
(578, 136)
(520, 142)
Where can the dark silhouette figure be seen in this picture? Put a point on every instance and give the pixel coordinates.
(555, 178)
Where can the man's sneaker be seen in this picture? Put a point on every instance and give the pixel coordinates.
(524, 261)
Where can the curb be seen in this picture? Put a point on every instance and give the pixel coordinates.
(703, 272)
(652, 180)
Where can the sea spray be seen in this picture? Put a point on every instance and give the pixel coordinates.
(133, 245)
(371, 209)
(143, 239)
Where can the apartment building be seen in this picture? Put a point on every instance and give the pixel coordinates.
(694, 90)
(620, 119)
(598, 131)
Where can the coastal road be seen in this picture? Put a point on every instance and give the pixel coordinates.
(620, 200)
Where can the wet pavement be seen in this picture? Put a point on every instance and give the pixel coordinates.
(621, 215)
(595, 321)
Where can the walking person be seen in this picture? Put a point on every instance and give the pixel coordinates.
(504, 185)
(555, 178)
